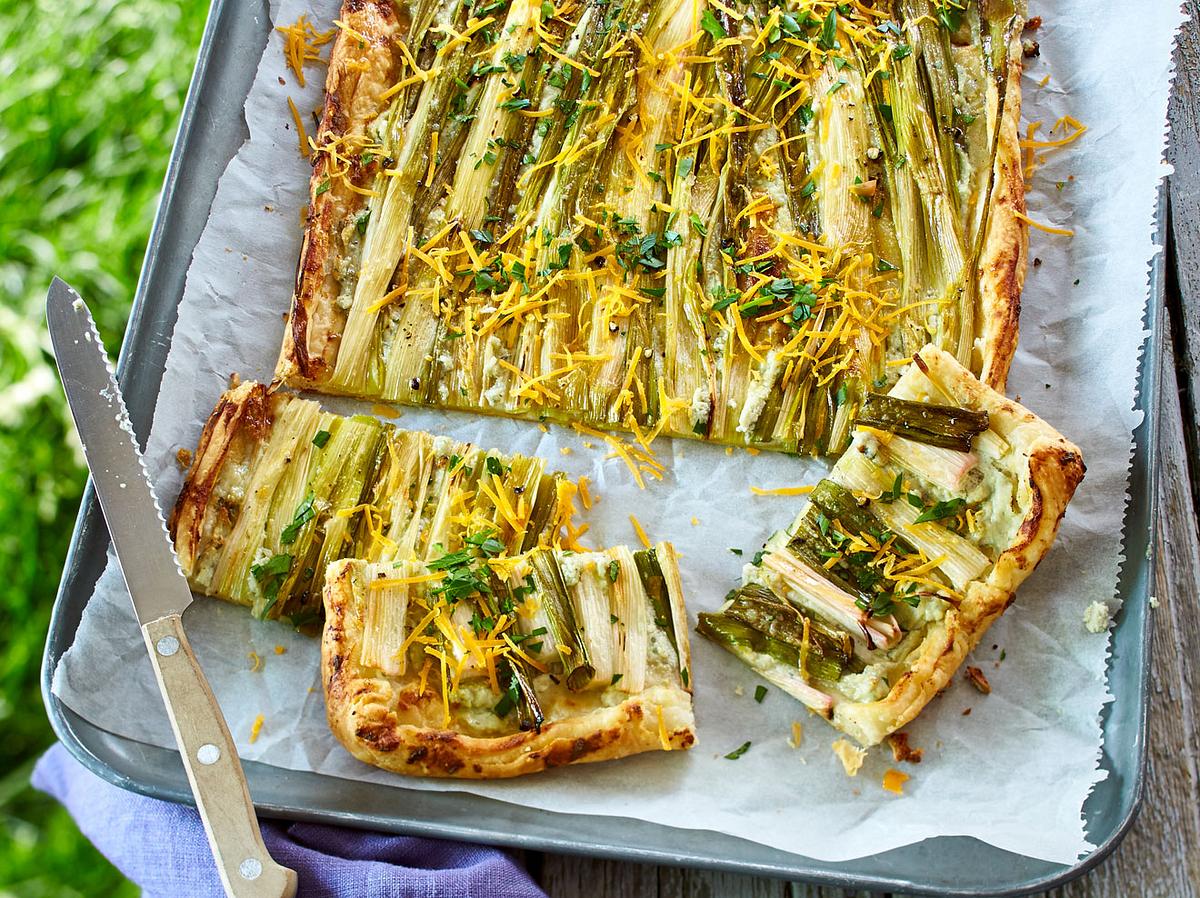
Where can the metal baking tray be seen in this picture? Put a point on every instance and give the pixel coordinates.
(211, 130)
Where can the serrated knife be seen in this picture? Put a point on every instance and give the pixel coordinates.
(160, 594)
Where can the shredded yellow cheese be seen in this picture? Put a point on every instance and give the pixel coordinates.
(782, 491)
(300, 132)
(641, 534)
(1049, 229)
(663, 738)
(300, 44)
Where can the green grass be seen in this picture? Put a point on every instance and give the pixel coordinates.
(90, 95)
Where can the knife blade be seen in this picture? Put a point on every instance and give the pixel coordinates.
(119, 476)
(160, 595)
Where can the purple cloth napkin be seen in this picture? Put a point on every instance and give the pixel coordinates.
(161, 846)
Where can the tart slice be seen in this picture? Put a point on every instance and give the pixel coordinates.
(946, 500)
(279, 488)
(480, 666)
(660, 216)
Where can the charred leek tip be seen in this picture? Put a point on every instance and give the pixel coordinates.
(936, 425)
(529, 710)
(655, 584)
(560, 616)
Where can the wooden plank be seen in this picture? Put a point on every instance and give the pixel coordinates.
(1184, 153)
(674, 882)
(567, 876)
(800, 890)
(1161, 854)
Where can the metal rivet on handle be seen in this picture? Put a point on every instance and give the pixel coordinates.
(208, 753)
(167, 646)
(250, 868)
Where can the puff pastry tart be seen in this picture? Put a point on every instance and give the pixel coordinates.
(477, 665)
(946, 500)
(278, 488)
(661, 216)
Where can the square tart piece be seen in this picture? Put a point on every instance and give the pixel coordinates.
(278, 488)
(481, 667)
(946, 500)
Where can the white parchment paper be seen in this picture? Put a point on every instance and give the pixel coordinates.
(1014, 773)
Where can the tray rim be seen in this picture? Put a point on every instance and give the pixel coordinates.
(81, 738)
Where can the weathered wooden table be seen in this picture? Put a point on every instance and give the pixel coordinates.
(1160, 858)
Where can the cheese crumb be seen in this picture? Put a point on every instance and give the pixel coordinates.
(894, 781)
(850, 755)
(797, 734)
(1095, 618)
(256, 729)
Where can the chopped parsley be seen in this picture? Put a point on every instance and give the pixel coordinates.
(305, 513)
(270, 576)
(828, 39)
(942, 510)
(712, 26)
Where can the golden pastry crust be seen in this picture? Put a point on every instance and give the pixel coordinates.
(1003, 257)
(383, 721)
(241, 420)
(1052, 469)
(359, 73)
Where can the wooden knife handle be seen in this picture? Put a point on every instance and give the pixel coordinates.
(213, 768)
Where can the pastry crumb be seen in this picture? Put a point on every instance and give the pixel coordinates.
(978, 680)
(894, 780)
(1095, 617)
(384, 411)
(851, 756)
(902, 751)
(183, 458)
